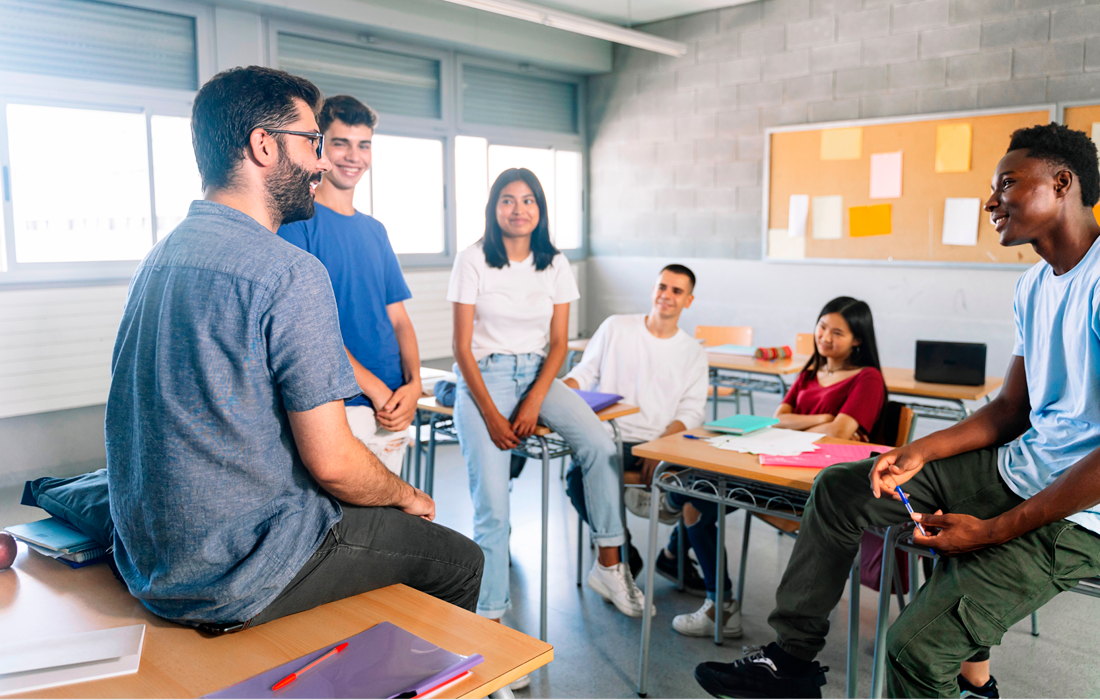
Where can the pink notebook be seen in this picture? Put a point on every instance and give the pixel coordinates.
(824, 456)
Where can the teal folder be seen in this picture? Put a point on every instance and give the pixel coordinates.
(740, 425)
(54, 534)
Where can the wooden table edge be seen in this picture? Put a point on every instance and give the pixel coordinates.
(489, 687)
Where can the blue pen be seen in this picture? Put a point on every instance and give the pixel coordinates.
(910, 509)
(693, 437)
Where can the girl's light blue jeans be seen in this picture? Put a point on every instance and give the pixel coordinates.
(508, 377)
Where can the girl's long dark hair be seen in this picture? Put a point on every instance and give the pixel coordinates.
(858, 316)
(493, 240)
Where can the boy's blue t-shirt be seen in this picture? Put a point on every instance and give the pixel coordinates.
(366, 278)
(1058, 335)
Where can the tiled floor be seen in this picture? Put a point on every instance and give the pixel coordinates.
(596, 648)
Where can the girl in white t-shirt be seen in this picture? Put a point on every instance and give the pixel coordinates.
(511, 292)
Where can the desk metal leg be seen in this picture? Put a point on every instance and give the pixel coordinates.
(580, 548)
(720, 568)
(744, 559)
(878, 668)
(545, 532)
(419, 448)
(429, 469)
(624, 551)
(853, 628)
(505, 693)
(714, 396)
(647, 618)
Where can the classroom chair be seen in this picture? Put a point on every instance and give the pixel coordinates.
(804, 344)
(726, 335)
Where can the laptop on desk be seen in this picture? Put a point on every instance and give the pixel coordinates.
(941, 362)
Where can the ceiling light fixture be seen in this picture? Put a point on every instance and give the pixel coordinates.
(578, 25)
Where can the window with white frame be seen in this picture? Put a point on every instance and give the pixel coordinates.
(95, 148)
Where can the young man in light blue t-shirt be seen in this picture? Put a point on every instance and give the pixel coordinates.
(1009, 496)
(370, 290)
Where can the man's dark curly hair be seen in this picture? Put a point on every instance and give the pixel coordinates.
(1063, 147)
(348, 110)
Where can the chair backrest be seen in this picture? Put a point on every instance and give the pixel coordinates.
(723, 335)
(894, 425)
(804, 344)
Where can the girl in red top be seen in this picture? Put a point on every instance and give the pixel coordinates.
(840, 392)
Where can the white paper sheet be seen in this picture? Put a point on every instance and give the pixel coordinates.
(772, 441)
(886, 175)
(796, 215)
(783, 247)
(1096, 133)
(828, 217)
(960, 220)
(75, 658)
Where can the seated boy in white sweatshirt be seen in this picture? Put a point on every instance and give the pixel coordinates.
(652, 364)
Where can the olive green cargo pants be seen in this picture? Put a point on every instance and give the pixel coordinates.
(971, 599)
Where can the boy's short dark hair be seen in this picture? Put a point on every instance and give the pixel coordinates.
(348, 110)
(684, 270)
(1063, 147)
(234, 103)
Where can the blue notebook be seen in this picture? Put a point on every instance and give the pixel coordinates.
(740, 425)
(598, 401)
(730, 349)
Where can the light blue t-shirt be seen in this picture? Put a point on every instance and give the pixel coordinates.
(226, 328)
(1058, 335)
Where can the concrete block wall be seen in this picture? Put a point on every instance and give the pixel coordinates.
(677, 143)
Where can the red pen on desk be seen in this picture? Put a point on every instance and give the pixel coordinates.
(294, 676)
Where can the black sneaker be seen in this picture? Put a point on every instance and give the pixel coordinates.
(969, 690)
(756, 676)
(693, 582)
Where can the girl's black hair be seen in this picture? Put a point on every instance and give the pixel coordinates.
(858, 316)
(493, 240)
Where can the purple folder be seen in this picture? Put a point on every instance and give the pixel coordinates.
(383, 662)
(598, 401)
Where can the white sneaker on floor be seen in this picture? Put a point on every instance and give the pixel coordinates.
(616, 586)
(520, 683)
(637, 501)
(701, 622)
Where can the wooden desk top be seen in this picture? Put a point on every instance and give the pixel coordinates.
(902, 381)
(430, 404)
(701, 455)
(579, 344)
(791, 365)
(41, 598)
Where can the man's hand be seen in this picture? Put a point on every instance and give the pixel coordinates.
(396, 415)
(955, 533)
(648, 467)
(527, 416)
(420, 504)
(893, 469)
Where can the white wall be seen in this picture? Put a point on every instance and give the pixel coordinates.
(779, 300)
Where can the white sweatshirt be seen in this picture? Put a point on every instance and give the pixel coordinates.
(666, 378)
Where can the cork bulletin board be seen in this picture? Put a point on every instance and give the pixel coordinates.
(795, 166)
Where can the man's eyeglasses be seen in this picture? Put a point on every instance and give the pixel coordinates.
(311, 135)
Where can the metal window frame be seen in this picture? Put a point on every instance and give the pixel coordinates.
(1051, 107)
(55, 91)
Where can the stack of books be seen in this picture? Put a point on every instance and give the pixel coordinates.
(58, 540)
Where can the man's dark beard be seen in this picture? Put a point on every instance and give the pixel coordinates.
(288, 191)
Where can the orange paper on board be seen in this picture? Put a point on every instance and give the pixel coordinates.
(869, 221)
(1096, 213)
(953, 148)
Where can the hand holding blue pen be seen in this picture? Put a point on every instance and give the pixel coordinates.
(910, 509)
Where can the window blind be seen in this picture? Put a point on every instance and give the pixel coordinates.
(99, 41)
(501, 98)
(391, 83)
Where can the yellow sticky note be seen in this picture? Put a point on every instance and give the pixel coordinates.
(953, 148)
(869, 221)
(841, 144)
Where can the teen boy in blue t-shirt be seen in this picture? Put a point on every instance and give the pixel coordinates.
(370, 289)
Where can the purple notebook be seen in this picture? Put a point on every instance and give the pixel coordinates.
(598, 401)
(382, 662)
